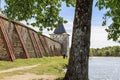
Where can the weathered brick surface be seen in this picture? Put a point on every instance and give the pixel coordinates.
(3, 51)
(13, 36)
(63, 39)
(53, 46)
(44, 43)
(36, 45)
(27, 40)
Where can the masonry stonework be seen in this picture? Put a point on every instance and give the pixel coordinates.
(24, 42)
(3, 51)
(61, 36)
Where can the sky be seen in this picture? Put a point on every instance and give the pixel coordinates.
(98, 33)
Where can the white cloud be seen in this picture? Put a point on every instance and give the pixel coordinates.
(99, 38)
(46, 32)
(68, 26)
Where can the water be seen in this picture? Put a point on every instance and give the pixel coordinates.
(104, 68)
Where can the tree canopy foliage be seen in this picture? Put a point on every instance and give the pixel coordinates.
(43, 13)
(106, 51)
(113, 12)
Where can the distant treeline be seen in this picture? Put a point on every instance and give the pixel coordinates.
(106, 51)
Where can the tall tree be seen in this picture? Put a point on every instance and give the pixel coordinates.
(79, 54)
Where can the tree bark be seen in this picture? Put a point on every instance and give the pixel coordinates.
(79, 54)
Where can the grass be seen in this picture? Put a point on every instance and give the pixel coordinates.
(48, 65)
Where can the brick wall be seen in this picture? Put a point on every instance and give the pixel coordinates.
(25, 42)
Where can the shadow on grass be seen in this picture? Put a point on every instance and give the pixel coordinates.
(61, 68)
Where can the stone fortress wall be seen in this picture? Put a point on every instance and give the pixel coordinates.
(61, 36)
(19, 41)
(63, 39)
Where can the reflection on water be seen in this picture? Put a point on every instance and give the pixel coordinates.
(104, 68)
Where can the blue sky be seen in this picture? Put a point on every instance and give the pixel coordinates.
(98, 34)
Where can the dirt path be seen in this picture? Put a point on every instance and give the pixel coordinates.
(31, 76)
(27, 76)
(19, 68)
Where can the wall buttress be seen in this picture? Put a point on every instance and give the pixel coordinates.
(22, 42)
(7, 41)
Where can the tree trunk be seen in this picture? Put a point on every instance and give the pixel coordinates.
(79, 54)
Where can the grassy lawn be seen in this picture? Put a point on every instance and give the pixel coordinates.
(48, 65)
